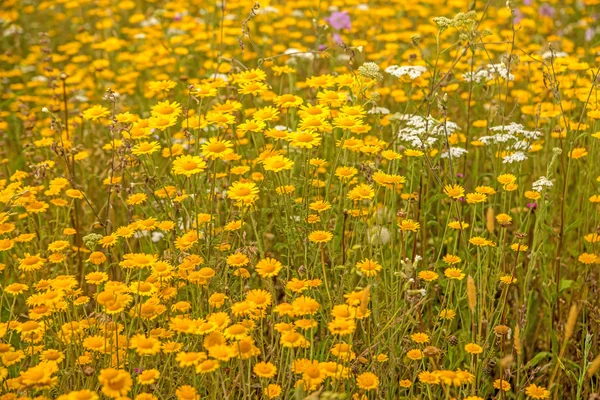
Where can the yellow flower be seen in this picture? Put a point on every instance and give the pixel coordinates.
(145, 346)
(278, 163)
(502, 384)
(367, 381)
(504, 219)
(519, 247)
(96, 112)
(320, 236)
(148, 376)
(405, 383)
(473, 198)
(429, 378)
(454, 191)
(268, 267)
(587, 258)
(507, 279)
(447, 314)
(16, 288)
(161, 86)
(361, 192)
(305, 139)
(454, 273)
(115, 382)
(414, 354)
(428, 276)
(420, 337)
(578, 153)
(473, 348)
(186, 392)
(188, 165)
(244, 193)
(145, 148)
(408, 225)
(39, 376)
(345, 173)
(272, 391)
(264, 369)
(368, 267)
(238, 260)
(215, 148)
(31, 262)
(288, 100)
(166, 109)
(6, 244)
(136, 198)
(537, 392)
(506, 179)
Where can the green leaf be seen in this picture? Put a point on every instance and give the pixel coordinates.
(574, 225)
(565, 284)
(538, 357)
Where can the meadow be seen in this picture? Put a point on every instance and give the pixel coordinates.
(299, 199)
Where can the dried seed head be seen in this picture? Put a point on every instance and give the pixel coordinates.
(517, 343)
(506, 361)
(489, 220)
(594, 366)
(471, 293)
(490, 366)
(501, 330)
(431, 351)
(571, 321)
(453, 341)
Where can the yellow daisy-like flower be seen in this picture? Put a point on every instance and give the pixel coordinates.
(215, 148)
(244, 193)
(145, 148)
(454, 273)
(304, 139)
(473, 348)
(320, 236)
(96, 112)
(367, 381)
(454, 191)
(278, 163)
(368, 267)
(268, 267)
(537, 392)
(188, 165)
(408, 225)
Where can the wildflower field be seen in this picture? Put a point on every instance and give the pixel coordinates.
(299, 199)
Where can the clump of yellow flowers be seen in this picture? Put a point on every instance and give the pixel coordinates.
(299, 199)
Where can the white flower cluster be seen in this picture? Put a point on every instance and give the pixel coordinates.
(489, 73)
(517, 138)
(413, 71)
(268, 10)
(559, 54)
(515, 128)
(539, 185)
(454, 152)
(425, 132)
(297, 53)
(379, 110)
(517, 156)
